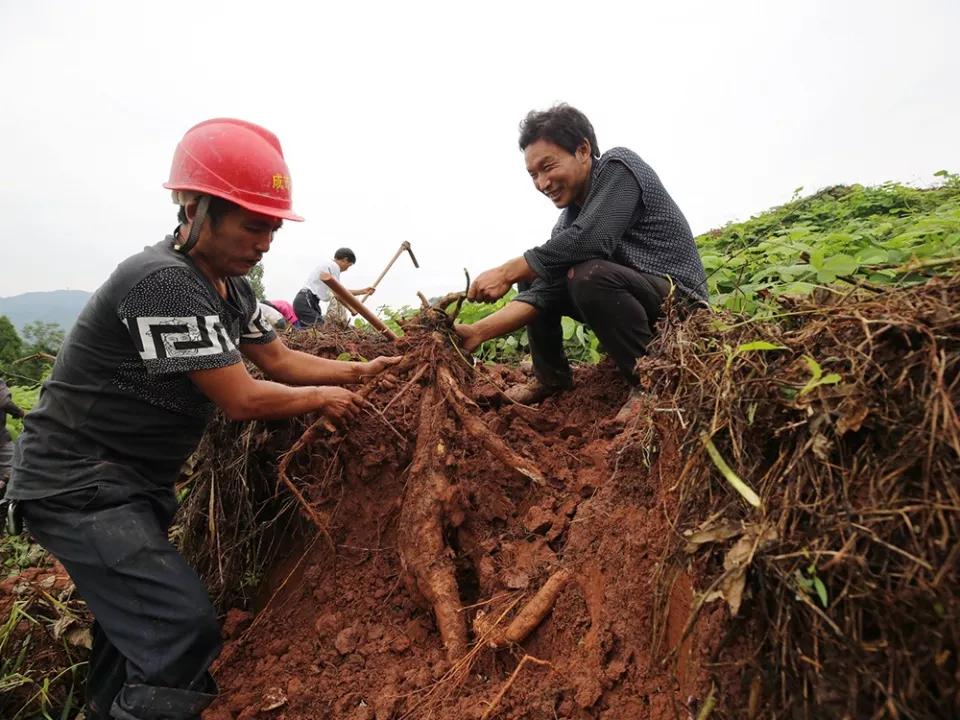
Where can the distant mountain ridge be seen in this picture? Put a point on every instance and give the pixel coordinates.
(54, 306)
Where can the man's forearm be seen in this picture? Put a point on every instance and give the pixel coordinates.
(513, 316)
(493, 284)
(300, 368)
(273, 401)
(517, 270)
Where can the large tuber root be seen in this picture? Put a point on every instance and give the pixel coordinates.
(423, 553)
(540, 605)
(530, 615)
(475, 427)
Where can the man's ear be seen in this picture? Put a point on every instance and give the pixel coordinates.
(190, 209)
(584, 152)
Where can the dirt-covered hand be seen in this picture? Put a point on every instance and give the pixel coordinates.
(471, 340)
(378, 365)
(490, 285)
(339, 405)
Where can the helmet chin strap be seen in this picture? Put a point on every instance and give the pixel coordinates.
(198, 217)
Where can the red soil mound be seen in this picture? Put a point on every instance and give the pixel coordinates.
(344, 634)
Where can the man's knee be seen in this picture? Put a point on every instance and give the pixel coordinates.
(585, 283)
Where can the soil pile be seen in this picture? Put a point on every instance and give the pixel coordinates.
(776, 533)
(844, 417)
(461, 556)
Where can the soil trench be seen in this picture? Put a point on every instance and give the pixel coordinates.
(424, 602)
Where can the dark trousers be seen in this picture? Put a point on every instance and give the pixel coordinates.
(156, 632)
(620, 304)
(307, 307)
(6, 459)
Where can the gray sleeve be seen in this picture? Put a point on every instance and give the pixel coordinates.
(545, 294)
(605, 217)
(256, 330)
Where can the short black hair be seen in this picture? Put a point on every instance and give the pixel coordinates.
(562, 125)
(215, 211)
(345, 254)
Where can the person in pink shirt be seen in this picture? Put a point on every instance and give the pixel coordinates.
(285, 309)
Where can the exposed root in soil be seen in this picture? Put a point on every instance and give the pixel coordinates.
(426, 561)
(429, 508)
(635, 569)
(529, 616)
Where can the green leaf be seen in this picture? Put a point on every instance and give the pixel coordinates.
(871, 256)
(816, 258)
(815, 370)
(817, 378)
(758, 345)
(569, 326)
(792, 272)
(821, 590)
(840, 265)
(739, 485)
(797, 288)
(840, 238)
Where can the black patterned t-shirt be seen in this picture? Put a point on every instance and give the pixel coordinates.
(119, 406)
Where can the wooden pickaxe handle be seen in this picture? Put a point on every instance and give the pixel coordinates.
(404, 246)
(351, 302)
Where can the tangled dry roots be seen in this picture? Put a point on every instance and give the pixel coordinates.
(429, 408)
(236, 516)
(856, 586)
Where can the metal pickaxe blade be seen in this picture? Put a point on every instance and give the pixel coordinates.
(404, 246)
(412, 256)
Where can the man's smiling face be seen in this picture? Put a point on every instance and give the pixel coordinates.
(556, 173)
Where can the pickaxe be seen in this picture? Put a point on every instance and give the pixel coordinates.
(349, 301)
(403, 246)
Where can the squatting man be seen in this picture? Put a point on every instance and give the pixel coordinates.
(618, 249)
(156, 349)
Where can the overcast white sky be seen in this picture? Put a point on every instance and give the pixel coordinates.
(399, 119)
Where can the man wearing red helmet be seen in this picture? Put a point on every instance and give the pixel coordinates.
(156, 350)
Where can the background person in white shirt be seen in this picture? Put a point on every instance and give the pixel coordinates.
(307, 302)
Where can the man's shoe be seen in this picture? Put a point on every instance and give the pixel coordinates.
(631, 408)
(531, 392)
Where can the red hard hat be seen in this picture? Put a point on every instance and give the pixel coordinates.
(237, 161)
